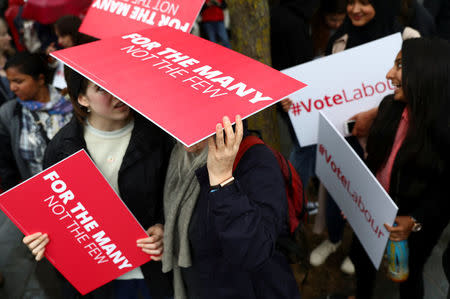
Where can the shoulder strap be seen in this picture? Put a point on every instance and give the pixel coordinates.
(246, 143)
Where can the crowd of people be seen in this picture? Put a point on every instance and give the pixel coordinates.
(213, 222)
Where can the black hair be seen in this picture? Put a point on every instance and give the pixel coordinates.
(69, 25)
(32, 64)
(426, 86)
(77, 85)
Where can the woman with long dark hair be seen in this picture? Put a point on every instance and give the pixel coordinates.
(407, 148)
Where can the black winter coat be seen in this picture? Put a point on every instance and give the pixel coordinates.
(233, 234)
(141, 180)
(418, 190)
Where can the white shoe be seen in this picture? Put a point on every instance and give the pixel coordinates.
(321, 253)
(347, 266)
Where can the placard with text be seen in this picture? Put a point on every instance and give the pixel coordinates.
(92, 233)
(183, 83)
(108, 18)
(355, 189)
(342, 85)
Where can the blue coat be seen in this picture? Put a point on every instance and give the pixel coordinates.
(233, 234)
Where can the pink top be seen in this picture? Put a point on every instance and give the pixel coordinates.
(384, 174)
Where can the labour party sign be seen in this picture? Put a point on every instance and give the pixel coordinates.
(181, 82)
(357, 192)
(92, 233)
(107, 18)
(342, 85)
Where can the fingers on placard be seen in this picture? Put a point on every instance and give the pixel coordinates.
(40, 247)
(228, 130)
(30, 238)
(239, 129)
(34, 244)
(219, 136)
(40, 255)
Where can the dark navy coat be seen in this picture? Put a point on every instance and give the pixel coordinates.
(233, 234)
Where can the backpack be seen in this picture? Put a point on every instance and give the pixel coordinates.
(292, 183)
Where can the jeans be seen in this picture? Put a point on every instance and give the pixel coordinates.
(217, 29)
(304, 161)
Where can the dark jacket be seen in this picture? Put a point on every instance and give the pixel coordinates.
(418, 190)
(440, 10)
(141, 180)
(233, 234)
(291, 42)
(13, 168)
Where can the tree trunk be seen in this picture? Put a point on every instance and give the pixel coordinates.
(250, 31)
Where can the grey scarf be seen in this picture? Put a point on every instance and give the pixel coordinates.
(181, 191)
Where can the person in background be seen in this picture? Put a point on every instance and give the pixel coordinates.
(26, 126)
(329, 17)
(407, 150)
(440, 10)
(132, 154)
(213, 22)
(14, 7)
(415, 15)
(291, 44)
(66, 29)
(5, 51)
(290, 38)
(366, 21)
(222, 223)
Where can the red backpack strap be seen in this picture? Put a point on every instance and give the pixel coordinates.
(246, 143)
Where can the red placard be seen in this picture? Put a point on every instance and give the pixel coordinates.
(108, 18)
(92, 233)
(181, 82)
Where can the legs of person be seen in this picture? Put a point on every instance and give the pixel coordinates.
(335, 221)
(131, 289)
(420, 246)
(222, 33)
(335, 224)
(104, 292)
(365, 272)
(304, 161)
(209, 30)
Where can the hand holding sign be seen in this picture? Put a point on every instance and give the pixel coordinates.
(36, 243)
(223, 150)
(153, 245)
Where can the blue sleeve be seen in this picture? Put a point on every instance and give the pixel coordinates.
(248, 215)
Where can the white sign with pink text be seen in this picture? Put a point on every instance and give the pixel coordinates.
(355, 189)
(342, 85)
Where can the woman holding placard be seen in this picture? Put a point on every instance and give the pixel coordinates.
(408, 148)
(223, 220)
(132, 154)
(366, 21)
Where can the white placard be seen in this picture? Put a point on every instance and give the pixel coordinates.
(342, 85)
(355, 189)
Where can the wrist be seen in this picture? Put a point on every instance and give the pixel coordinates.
(223, 184)
(217, 180)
